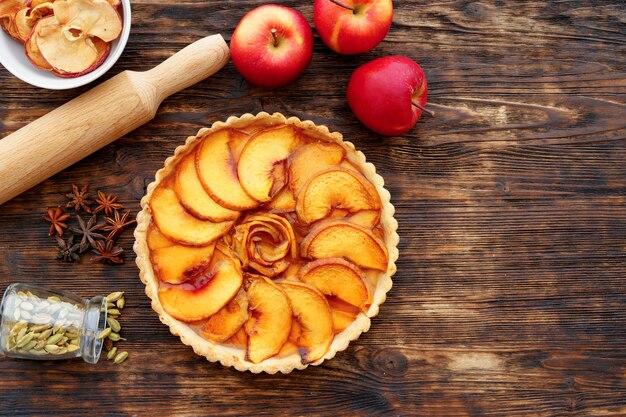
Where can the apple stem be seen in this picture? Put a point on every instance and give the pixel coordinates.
(422, 108)
(338, 3)
(275, 37)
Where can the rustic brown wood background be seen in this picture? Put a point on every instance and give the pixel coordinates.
(510, 296)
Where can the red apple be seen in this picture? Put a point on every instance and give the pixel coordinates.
(388, 94)
(272, 45)
(352, 26)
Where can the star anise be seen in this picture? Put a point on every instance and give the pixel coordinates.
(79, 198)
(107, 253)
(68, 250)
(89, 232)
(57, 218)
(117, 224)
(107, 203)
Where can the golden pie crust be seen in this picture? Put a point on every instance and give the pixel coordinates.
(233, 356)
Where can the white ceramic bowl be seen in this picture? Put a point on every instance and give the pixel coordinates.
(12, 57)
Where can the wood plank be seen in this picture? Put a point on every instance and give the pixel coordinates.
(510, 294)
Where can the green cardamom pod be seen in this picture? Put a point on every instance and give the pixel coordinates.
(30, 345)
(106, 332)
(54, 339)
(112, 353)
(54, 349)
(121, 357)
(114, 324)
(21, 333)
(114, 296)
(24, 340)
(114, 336)
(45, 335)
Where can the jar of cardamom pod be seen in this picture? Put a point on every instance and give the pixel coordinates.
(39, 323)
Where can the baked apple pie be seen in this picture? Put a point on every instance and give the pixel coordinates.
(266, 243)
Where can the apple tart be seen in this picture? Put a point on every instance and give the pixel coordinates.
(266, 243)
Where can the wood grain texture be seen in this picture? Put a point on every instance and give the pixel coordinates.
(75, 130)
(510, 296)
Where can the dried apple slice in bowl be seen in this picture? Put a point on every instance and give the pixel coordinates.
(24, 60)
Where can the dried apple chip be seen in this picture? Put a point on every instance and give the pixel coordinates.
(8, 24)
(8, 10)
(91, 17)
(76, 40)
(32, 50)
(65, 50)
(27, 18)
(35, 3)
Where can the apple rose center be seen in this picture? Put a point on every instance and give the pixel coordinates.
(263, 242)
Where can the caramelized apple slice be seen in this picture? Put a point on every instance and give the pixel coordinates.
(157, 240)
(259, 159)
(270, 319)
(179, 225)
(193, 196)
(312, 312)
(336, 277)
(239, 339)
(283, 202)
(341, 320)
(217, 169)
(340, 238)
(225, 323)
(214, 289)
(335, 187)
(174, 263)
(366, 218)
(311, 159)
(263, 242)
(178, 263)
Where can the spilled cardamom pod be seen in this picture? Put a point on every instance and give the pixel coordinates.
(114, 324)
(112, 353)
(114, 296)
(115, 337)
(121, 357)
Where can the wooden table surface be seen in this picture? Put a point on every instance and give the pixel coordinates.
(510, 295)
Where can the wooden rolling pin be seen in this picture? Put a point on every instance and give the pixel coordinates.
(98, 117)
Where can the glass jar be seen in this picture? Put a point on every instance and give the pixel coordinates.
(43, 324)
